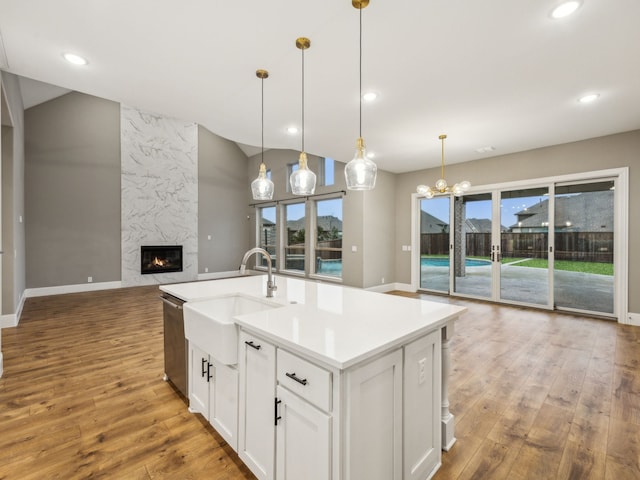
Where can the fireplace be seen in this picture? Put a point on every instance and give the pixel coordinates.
(160, 259)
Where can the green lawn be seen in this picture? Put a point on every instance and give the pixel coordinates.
(566, 265)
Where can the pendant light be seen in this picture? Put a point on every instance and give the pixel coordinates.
(262, 187)
(360, 173)
(441, 187)
(303, 180)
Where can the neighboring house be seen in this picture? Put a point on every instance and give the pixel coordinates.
(583, 212)
(326, 222)
(478, 225)
(431, 224)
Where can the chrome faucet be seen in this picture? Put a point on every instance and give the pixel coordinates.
(271, 284)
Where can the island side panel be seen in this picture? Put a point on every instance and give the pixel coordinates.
(448, 420)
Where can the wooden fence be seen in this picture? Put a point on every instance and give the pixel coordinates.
(577, 246)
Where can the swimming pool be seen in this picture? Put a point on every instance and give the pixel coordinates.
(329, 267)
(444, 262)
(334, 267)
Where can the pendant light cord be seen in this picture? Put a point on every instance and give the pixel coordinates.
(262, 119)
(442, 167)
(303, 99)
(360, 86)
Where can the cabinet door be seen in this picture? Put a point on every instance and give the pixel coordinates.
(256, 433)
(374, 420)
(303, 446)
(422, 402)
(223, 403)
(200, 371)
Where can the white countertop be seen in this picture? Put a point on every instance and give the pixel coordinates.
(337, 325)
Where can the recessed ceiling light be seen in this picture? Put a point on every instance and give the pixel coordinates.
(369, 96)
(589, 98)
(371, 154)
(565, 9)
(74, 58)
(292, 130)
(485, 149)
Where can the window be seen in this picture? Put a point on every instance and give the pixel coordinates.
(294, 250)
(267, 234)
(328, 239)
(291, 167)
(327, 171)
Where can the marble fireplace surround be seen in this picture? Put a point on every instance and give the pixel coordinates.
(159, 192)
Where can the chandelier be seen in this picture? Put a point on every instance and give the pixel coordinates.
(441, 187)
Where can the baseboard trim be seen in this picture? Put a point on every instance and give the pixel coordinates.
(83, 287)
(12, 319)
(404, 287)
(8, 320)
(387, 287)
(633, 319)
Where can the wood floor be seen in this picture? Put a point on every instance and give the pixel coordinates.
(536, 395)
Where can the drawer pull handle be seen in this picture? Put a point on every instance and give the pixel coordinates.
(292, 376)
(253, 345)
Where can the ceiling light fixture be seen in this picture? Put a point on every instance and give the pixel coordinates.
(74, 59)
(303, 180)
(441, 187)
(369, 96)
(360, 173)
(262, 187)
(565, 9)
(292, 130)
(589, 98)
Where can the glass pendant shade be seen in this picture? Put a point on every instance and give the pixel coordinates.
(262, 188)
(303, 180)
(360, 173)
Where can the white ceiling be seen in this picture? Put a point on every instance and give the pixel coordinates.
(487, 73)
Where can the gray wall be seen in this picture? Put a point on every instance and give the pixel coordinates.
(368, 217)
(620, 150)
(222, 201)
(13, 227)
(72, 179)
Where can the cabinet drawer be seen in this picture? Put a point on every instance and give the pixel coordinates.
(305, 379)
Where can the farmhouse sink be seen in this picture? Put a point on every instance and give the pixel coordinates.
(210, 324)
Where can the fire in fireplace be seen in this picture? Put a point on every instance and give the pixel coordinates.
(160, 259)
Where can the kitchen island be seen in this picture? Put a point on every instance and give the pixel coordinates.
(320, 381)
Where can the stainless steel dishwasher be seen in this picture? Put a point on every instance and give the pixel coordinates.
(175, 343)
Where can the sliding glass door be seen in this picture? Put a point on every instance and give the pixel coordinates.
(524, 245)
(583, 273)
(472, 245)
(550, 245)
(434, 244)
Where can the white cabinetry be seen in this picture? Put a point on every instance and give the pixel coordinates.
(422, 393)
(302, 419)
(256, 435)
(303, 449)
(374, 419)
(213, 392)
